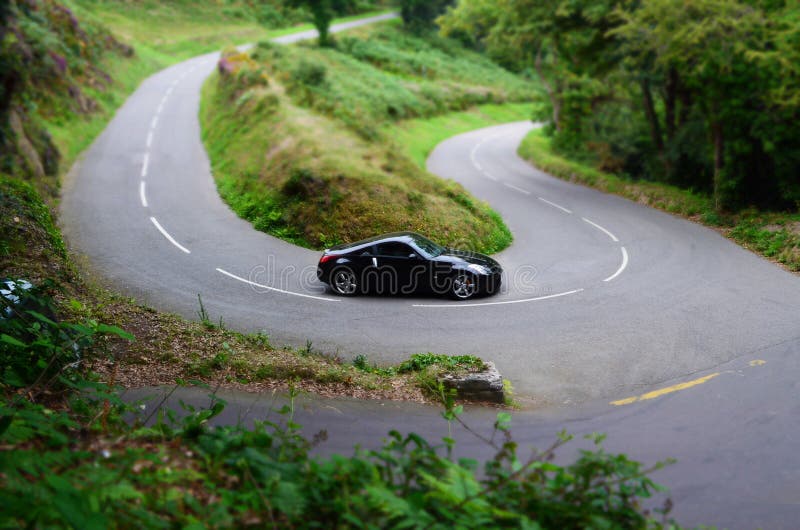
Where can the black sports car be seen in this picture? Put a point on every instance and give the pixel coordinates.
(405, 263)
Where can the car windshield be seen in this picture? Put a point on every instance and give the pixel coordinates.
(428, 246)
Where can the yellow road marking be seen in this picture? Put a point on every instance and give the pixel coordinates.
(757, 362)
(668, 390)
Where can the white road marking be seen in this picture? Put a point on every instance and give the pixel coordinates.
(482, 304)
(142, 195)
(473, 153)
(554, 205)
(490, 176)
(144, 164)
(516, 188)
(149, 138)
(609, 234)
(169, 237)
(621, 267)
(155, 121)
(254, 284)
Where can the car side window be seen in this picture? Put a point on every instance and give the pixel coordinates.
(368, 251)
(394, 250)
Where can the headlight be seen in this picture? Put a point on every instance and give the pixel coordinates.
(480, 269)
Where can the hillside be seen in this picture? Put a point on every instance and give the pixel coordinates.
(301, 138)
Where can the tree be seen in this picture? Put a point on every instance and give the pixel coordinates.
(698, 50)
(419, 15)
(322, 13)
(563, 42)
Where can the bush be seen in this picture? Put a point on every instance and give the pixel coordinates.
(35, 348)
(179, 472)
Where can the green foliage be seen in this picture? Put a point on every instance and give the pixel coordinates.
(699, 95)
(774, 235)
(322, 13)
(389, 75)
(36, 348)
(179, 471)
(419, 15)
(78, 464)
(421, 361)
(47, 57)
(320, 183)
(23, 209)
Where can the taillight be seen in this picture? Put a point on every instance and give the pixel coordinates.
(326, 258)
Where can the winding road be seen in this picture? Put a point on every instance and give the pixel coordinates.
(606, 303)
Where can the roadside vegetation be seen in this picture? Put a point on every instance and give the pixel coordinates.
(775, 235)
(301, 137)
(73, 455)
(688, 108)
(418, 137)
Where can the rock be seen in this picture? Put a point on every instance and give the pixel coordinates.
(31, 161)
(477, 386)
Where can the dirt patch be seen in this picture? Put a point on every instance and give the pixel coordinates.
(168, 349)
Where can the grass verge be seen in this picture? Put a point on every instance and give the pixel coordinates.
(168, 348)
(772, 234)
(418, 137)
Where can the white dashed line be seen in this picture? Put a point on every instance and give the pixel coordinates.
(490, 176)
(473, 153)
(621, 267)
(142, 194)
(516, 188)
(254, 284)
(503, 303)
(145, 164)
(609, 234)
(169, 237)
(554, 205)
(155, 121)
(149, 138)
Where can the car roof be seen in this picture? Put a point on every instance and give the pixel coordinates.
(405, 237)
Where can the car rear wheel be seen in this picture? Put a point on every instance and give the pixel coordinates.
(464, 286)
(343, 282)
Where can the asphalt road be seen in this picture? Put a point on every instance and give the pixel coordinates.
(606, 299)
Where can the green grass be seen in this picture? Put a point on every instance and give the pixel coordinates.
(774, 235)
(192, 28)
(322, 146)
(378, 76)
(303, 177)
(418, 137)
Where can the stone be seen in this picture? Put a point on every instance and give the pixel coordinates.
(486, 385)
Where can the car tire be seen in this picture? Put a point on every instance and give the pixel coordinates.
(344, 281)
(463, 286)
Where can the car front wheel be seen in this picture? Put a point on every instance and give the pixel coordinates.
(464, 286)
(343, 282)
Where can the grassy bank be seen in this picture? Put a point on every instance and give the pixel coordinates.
(303, 140)
(160, 34)
(774, 235)
(418, 137)
(167, 347)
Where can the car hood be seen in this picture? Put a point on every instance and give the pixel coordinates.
(454, 256)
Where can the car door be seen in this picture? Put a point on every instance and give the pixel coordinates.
(395, 261)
